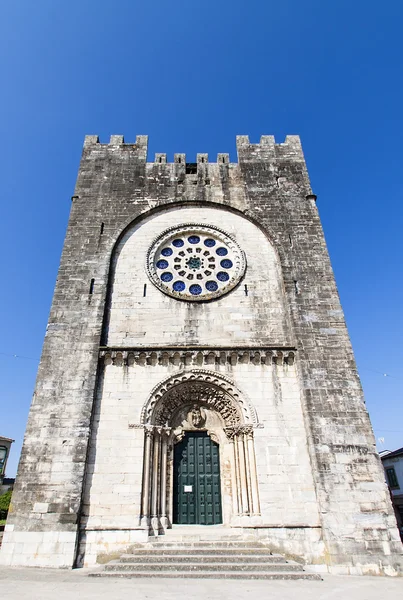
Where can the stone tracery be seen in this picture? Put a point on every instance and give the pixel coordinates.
(195, 262)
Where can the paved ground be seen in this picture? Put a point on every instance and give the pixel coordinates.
(49, 584)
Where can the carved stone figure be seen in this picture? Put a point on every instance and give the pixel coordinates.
(197, 416)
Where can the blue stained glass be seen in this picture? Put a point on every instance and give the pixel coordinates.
(221, 276)
(209, 243)
(178, 243)
(195, 289)
(193, 239)
(178, 286)
(166, 251)
(212, 286)
(222, 251)
(226, 263)
(162, 264)
(167, 277)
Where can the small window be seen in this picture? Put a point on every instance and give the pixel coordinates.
(191, 168)
(3, 454)
(392, 479)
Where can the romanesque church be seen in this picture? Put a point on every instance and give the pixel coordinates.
(197, 371)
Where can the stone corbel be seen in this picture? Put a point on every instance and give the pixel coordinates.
(197, 357)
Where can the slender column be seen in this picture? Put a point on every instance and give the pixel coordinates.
(242, 471)
(234, 479)
(155, 482)
(247, 469)
(145, 500)
(170, 480)
(237, 476)
(253, 474)
(163, 493)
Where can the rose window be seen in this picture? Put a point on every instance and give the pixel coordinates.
(195, 262)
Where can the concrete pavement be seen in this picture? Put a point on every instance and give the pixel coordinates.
(48, 584)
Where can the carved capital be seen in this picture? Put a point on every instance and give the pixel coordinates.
(233, 432)
(230, 432)
(149, 432)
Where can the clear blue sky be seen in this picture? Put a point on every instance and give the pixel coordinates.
(192, 75)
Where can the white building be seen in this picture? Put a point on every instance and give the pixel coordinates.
(5, 446)
(393, 465)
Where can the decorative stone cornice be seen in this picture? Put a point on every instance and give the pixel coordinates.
(150, 428)
(197, 357)
(231, 432)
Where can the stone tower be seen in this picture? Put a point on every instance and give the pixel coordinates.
(197, 369)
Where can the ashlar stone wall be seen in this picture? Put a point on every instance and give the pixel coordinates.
(115, 464)
(118, 191)
(255, 316)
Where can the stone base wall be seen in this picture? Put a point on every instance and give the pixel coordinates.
(103, 546)
(304, 544)
(55, 549)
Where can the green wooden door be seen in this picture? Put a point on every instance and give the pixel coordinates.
(197, 490)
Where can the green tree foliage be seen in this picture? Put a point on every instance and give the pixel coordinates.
(5, 500)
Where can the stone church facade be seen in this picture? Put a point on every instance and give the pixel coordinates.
(197, 370)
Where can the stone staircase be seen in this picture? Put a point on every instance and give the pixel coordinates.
(206, 559)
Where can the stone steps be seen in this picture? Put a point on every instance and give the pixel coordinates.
(212, 559)
(221, 556)
(204, 552)
(207, 575)
(197, 566)
(216, 544)
(200, 534)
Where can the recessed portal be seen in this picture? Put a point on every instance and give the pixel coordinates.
(196, 434)
(197, 488)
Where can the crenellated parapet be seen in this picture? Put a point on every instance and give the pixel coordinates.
(116, 145)
(266, 149)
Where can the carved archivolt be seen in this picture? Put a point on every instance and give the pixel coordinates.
(192, 400)
(204, 388)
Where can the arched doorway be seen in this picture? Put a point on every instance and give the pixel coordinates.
(199, 458)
